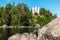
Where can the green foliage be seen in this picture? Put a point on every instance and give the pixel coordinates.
(1, 34)
(21, 15)
(36, 13)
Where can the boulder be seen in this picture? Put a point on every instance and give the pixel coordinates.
(15, 37)
(33, 37)
(4, 26)
(37, 25)
(24, 36)
(51, 31)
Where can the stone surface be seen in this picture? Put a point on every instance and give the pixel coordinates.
(4, 26)
(24, 36)
(51, 31)
(37, 25)
(15, 37)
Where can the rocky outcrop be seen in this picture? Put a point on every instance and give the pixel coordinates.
(51, 31)
(24, 36)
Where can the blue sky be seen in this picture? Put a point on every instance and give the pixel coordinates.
(52, 5)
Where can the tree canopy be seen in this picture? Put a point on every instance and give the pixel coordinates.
(21, 15)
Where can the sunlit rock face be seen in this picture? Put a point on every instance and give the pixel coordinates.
(33, 37)
(24, 36)
(51, 31)
(15, 37)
